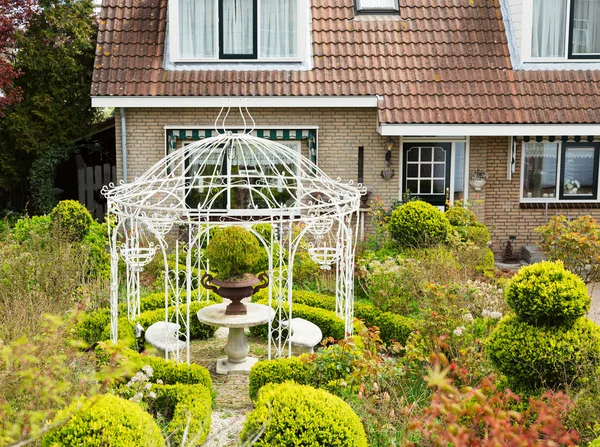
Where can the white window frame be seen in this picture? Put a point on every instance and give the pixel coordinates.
(556, 198)
(369, 10)
(528, 36)
(302, 32)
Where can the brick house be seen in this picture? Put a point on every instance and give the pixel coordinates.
(431, 89)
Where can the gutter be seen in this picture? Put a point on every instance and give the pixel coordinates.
(123, 144)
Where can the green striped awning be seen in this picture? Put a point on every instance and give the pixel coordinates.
(174, 135)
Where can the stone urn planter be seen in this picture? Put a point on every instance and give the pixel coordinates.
(235, 289)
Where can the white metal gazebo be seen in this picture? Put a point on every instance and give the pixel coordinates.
(231, 179)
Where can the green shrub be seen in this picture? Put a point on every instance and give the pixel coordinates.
(393, 327)
(233, 251)
(459, 216)
(533, 356)
(486, 261)
(278, 371)
(186, 407)
(72, 218)
(169, 372)
(96, 240)
(546, 293)
(108, 421)
(329, 323)
(478, 234)
(419, 224)
(299, 415)
(92, 325)
(576, 243)
(25, 227)
(126, 333)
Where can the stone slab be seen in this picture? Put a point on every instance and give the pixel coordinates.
(225, 367)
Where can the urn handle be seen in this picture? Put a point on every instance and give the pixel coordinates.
(205, 281)
(265, 282)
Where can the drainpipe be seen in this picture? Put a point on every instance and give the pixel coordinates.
(123, 144)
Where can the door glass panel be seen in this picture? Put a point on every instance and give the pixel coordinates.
(412, 186)
(439, 170)
(412, 170)
(459, 171)
(439, 154)
(425, 170)
(426, 154)
(438, 186)
(425, 187)
(413, 154)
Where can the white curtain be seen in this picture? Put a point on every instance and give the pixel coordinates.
(586, 27)
(278, 28)
(197, 28)
(549, 28)
(377, 4)
(238, 31)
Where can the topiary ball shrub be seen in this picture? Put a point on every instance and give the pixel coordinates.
(534, 356)
(459, 216)
(105, 420)
(547, 293)
(232, 252)
(72, 218)
(278, 371)
(419, 224)
(299, 415)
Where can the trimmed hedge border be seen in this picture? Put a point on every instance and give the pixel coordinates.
(392, 326)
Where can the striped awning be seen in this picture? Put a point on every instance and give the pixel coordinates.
(564, 138)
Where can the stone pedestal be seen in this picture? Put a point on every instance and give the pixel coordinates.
(237, 359)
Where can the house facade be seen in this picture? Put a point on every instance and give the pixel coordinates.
(398, 95)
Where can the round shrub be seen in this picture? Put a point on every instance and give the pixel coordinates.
(108, 421)
(546, 293)
(418, 224)
(186, 407)
(534, 356)
(278, 371)
(459, 216)
(232, 252)
(299, 415)
(72, 218)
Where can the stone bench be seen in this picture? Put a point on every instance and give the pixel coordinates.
(163, 336)
(304, 335)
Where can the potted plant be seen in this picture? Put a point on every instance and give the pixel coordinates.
(478, 179)
(572, 186)
(233, 253)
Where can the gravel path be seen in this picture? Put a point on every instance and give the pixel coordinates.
(594, 313)
(231, 402)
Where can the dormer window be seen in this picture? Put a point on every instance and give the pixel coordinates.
(376, 6)
(212, 30)
(565, 29)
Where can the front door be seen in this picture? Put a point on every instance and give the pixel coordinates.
(426, 171)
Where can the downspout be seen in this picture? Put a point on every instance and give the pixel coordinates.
(123, 144)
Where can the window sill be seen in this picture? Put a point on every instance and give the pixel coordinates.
(560, 205)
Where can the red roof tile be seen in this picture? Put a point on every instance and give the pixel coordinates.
(441, 61)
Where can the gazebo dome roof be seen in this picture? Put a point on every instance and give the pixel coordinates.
(238, 177)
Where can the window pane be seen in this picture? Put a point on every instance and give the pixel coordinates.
(412, 186)
(413, 154)
(579, 171)
(426, 170)
(278, 28)
(197, 29)
(549, 28)
(540, 170)
(426, 153)
(238, 27)
(459, 171)
(412, 170)
(440, 154)
(377, 4)
(425, 187)
(438, 186)
(439, 170)
(586, 27)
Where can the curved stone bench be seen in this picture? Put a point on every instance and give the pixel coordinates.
(304, 335)
(163, 336)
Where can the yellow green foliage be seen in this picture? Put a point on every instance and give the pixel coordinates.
(299, 415)
(233, 251)
(104, 420)
(72, 218)
(278, 371)
(419, 224)
(546, 293)
(543, 355)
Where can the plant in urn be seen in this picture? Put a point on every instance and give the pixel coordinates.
(233, 253)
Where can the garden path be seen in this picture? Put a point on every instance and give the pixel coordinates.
(594, 313)
(231, 402)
